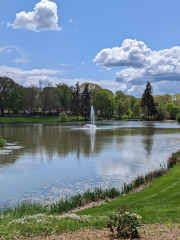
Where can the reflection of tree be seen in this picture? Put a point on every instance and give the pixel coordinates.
(148, 133)
(45, 142)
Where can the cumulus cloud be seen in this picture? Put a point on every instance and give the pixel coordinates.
(44, 17)
(131, 53)
(142, 63)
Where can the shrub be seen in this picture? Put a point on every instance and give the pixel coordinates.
(62, 117)
(178, 118)
(124, 223)
(2, 142)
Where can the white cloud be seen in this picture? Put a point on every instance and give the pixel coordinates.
(70, 21)
(132, 53)
(20, 60)
(28, 77)
(2, 49)
(64, 64)
(142, 64)
(44, 17)
(82, 63)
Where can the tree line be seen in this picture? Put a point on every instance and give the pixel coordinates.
(45, 99)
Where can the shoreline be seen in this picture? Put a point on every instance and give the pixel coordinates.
(33, 225)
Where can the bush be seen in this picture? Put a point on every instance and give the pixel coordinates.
(62, 117)
(178, 118)
(124, 223)
(2, 142)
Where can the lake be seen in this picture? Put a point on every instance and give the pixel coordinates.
(48, 161)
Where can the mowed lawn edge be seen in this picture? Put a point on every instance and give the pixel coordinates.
(157, 203)
(35, 119)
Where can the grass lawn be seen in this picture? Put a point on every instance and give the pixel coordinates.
(158, 203)
(35, 119)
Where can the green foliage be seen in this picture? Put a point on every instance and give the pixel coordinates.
(124, 223)
(161, 112)
(178, 118)
(172, 110)
(173, 159)
(2, 142)
(64, 93)
(147, 101)
(85, 101)
(104, 101)
(119, 107)
(62, 117)
(76, 100)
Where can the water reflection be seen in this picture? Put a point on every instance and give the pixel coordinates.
(117, 151)
(91, 133)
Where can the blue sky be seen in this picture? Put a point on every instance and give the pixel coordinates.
(119, 45)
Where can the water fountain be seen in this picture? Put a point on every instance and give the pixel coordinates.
(92, 116)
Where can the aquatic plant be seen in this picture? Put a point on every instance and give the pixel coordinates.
(173, 159)
(63, 205)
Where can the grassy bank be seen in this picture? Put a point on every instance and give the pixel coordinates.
(157, 203)
(35, 119)
(39, 119)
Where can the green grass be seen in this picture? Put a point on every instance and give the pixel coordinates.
(45, 225)
(35, 119)
(160, 202)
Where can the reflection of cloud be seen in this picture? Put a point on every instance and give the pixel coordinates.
(44, 17)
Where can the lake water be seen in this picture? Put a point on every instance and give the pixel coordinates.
(47, 161)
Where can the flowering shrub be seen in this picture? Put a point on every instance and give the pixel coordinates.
(124, 223)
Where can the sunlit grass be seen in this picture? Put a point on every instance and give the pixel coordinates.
(157, 203)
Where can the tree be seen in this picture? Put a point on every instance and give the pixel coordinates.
(30, 98)
(46, 96)
(119, 107)
(76, 101)
(104, 101)
(15, 99)
(93, 88)
(137, 108)
(147, 101)
(176, 99)
(172, 110)
(5, 92)
(85, 101)
(64, 93)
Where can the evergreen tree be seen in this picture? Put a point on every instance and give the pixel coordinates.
(76, 101)
(85, 101)
(147, 101)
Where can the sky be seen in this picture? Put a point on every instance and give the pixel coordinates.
(117, 44)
